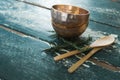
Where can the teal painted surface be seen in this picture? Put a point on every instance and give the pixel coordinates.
(105, 11)
(23, 58)
(25, 18)
(19, 55)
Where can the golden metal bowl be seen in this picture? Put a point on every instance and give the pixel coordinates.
(69, 21)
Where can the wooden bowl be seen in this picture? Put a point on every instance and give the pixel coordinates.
(69, 21)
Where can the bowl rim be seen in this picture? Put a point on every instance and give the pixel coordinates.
(88, 12)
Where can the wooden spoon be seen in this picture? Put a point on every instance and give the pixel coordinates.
(81, 61)
(104, 41)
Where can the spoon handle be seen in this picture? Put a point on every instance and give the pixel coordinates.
(68, 54)
(81, 61)
(62, 56)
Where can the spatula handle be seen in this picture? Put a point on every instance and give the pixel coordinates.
(68, 54)
(81, 61)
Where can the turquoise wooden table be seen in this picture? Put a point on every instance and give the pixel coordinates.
(28, 42)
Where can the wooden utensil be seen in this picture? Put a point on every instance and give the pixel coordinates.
(104, 41)
(81, 61)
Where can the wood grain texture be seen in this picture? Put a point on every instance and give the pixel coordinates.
(22, 58)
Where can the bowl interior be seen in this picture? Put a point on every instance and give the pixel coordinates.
(70, 9)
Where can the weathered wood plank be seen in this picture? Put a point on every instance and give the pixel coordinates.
(26, 33)
(104, 11)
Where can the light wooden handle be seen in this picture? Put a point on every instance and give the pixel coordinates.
(62, 56)
(68, 54)
(80, 62)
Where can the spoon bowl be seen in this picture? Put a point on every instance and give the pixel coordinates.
(104, 41)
